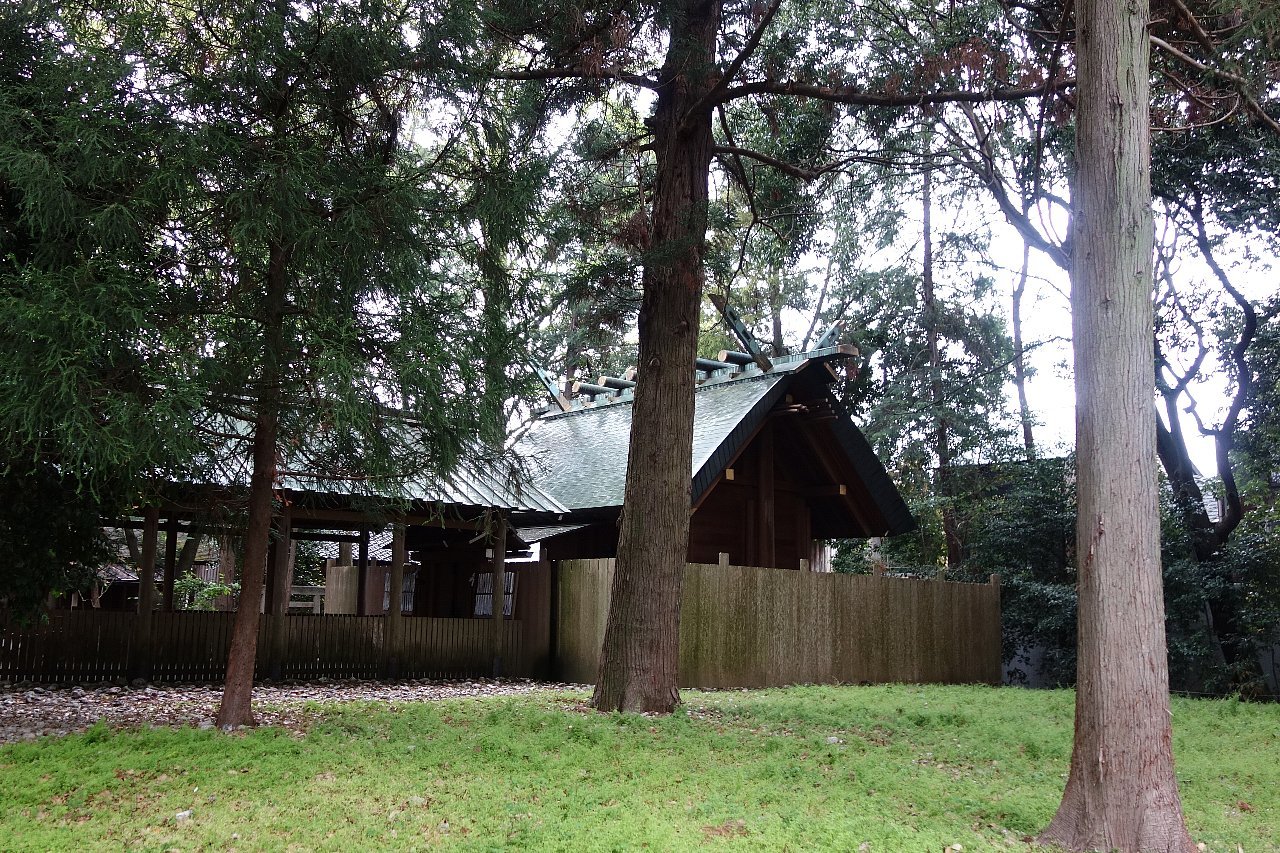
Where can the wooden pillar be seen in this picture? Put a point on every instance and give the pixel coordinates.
(499, 585)
(140, 665)
(279, 584)
(170, 561)
(395, 603)
(766, 528)
(804, 534)
(362, 579)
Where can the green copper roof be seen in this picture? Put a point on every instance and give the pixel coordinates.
(579, 458)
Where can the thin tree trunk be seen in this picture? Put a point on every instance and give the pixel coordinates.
(776, 304)
(1121, 792)
(640, 656)
(1020, 356)
(236, 708)
(131, 542)
(941, 437)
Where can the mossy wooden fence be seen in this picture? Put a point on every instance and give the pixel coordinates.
(750, 627)
(93, 645)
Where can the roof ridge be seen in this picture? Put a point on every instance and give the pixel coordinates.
(707, 384)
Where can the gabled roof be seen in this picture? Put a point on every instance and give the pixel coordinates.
(469, 484)
(579, 458)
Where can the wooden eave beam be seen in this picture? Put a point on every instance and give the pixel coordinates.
(358, 519)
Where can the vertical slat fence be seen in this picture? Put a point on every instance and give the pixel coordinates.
(88, 646)
(754, 627)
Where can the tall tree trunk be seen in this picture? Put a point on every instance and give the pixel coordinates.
(1020, 356)
(941, 436)
(640, 656)
(237, 694)
(1121, 793)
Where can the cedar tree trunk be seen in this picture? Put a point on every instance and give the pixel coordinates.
(1121, 793)
(640, 656)
(237, 693)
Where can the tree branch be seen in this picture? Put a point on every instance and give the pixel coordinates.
(749, 47)
(781, 165)
(1224, 436)
(985, 170)
(609, 73)
(1242, 85)
(858, 97)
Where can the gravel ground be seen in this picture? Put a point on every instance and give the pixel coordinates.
(30, 711)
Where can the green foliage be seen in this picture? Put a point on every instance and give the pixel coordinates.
(50, 534)
(895, 767)
(1258, 443)
(196, 593)
(86, 381)
(308, 564)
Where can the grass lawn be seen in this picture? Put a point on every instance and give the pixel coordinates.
(896, 768)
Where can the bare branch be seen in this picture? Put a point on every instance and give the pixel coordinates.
(985, 170)
(1224, 436)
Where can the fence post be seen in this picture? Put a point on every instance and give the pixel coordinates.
(499, 587)
(140, 665)
(996, 675)
(395, 605)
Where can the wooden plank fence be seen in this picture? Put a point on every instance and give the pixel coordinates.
(93, 645)
(751, 627)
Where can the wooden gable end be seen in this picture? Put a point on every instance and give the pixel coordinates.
(791, 484)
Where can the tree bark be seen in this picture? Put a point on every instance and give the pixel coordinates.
(941, 435)
(190, 549)
(640, 656)
(1121, 793)
(1020, 356)
(236, 708)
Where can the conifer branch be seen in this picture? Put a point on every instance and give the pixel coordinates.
(609, 73)
(781, 165)
(853, 95)
(748, 48)
(1250, 102)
